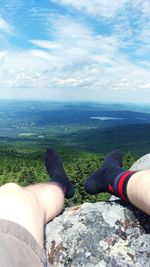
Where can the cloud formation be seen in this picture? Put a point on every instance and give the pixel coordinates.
(106, 9)
(5, 27)
(79, 57)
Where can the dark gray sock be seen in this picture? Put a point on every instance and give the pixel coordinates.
(57, 173)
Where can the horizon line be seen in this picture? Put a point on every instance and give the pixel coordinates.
(74, 101)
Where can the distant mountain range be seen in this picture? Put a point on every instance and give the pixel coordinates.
(80, 125)
(53, 105)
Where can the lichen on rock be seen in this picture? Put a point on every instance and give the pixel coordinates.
(104, 234)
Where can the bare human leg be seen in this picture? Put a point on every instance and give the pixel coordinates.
(35, 205)
(31, 206)
(138, 190)
(130, 186)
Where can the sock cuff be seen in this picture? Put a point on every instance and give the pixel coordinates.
(115, 185)
(122, 184)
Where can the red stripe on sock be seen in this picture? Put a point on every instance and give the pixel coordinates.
(120, 184)
(110, 188)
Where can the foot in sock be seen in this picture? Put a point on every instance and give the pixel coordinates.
(56, 171)
(110, 177)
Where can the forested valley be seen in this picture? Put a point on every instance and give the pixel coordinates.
(82, 133)
(27, 167)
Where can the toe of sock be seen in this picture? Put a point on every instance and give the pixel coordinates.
(114, 157)
(90, 186)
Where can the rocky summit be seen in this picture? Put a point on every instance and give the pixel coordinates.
(101, 234)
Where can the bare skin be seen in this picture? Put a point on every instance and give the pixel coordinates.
(32, 206)
(35, 205)
(138, 190)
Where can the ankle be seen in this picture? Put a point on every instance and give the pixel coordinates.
(120, 184)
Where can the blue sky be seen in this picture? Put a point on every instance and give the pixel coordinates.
(95, 50)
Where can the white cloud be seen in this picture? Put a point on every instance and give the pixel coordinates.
(45, 44)
(45, 56)
(77, 63)
(2, 54)
(5, 26)
(101, 8)
(106, 9)
(142, 5)
(146, 86)
(75, 43)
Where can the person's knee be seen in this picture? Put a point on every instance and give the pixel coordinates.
(17, 197)
(56, 190)
(10, 187)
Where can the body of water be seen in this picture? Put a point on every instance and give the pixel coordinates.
(105, 118)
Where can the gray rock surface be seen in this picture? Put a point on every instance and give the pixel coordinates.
(104, 234)
(142, 164)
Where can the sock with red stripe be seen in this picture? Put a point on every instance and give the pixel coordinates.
(110, 177)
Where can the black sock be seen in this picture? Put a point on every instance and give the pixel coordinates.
(110, 177)
(56, 171)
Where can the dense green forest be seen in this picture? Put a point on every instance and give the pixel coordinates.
(26, 166)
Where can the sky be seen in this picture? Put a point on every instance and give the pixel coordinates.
(94, 50)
